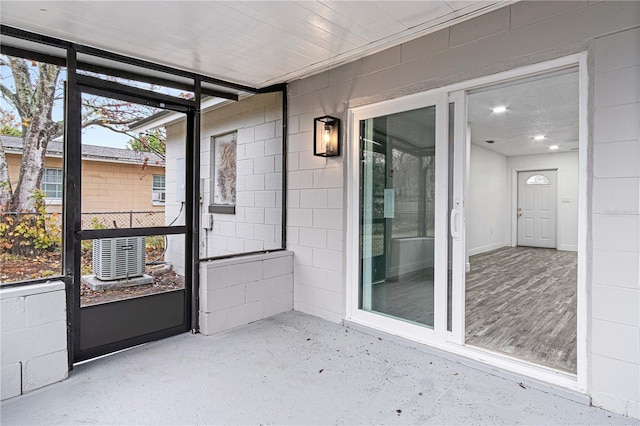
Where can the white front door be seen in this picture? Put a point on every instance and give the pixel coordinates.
(537, 212)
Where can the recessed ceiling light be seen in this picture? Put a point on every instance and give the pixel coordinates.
(499, 109)
(539, 137)
(554, 147)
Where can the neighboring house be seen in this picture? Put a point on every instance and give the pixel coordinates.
(114, 180)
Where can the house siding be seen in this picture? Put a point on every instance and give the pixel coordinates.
(517, 35)
(106, 186)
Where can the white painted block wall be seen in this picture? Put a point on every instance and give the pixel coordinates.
(615, 359)
(174, 211)
(257, 222)
(520, 34)
(34, 337)
(245, 289)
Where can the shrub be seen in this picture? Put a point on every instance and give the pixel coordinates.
(95, 223)
(26, 233)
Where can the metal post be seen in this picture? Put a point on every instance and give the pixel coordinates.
(283, 243)
(193, 200)
(130, 218)
(72, 208)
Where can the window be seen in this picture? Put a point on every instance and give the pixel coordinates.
(538, 180)
(224, 173)
(158, 196)
(51, 183)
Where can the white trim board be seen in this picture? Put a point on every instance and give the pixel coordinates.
(489, 247)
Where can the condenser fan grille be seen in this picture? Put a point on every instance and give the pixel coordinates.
(118, 258)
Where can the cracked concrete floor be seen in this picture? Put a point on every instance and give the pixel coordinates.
(289, 369)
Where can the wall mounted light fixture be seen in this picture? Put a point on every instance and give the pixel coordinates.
(326, 136)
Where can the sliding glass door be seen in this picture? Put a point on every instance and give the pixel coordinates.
(405, 200)
(397, 213)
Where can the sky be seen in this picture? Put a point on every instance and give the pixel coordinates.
(93, 135)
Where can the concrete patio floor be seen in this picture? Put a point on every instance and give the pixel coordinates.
(289, 369)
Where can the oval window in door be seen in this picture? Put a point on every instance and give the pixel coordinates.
(538, 180)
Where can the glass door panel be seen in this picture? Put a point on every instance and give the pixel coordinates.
(397, 215)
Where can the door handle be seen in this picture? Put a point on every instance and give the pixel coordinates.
(519, 211)
(454, 221)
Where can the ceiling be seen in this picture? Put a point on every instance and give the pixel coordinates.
(546, 105)
(256, 43)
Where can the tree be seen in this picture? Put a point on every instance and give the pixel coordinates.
(32, 92)
(153, 141)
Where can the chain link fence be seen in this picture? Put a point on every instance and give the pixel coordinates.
(124, 219)
(101, 220)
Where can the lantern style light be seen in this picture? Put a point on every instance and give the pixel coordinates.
(326, 136)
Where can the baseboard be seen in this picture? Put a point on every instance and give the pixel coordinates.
(489, 247)
(567, 247)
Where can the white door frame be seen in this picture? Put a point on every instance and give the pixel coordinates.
(437, 335)
(453, 342)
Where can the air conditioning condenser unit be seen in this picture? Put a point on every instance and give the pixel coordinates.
(118, 258)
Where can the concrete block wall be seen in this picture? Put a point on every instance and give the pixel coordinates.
(242, 290)
(616, 223)
(520, 34)
(33, 322)
(107, 186)
(174, 211)
(256, 224)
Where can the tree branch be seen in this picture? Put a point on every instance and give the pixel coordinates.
(11, 98)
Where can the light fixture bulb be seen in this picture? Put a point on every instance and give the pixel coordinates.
(499, 109)
(326, 137)
(554, 147)
(539, 137)
(327, 133)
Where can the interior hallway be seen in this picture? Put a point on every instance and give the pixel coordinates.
(522, 301)
(290, 369)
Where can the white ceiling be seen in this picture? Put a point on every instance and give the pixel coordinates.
(256, 43)
(541, 106)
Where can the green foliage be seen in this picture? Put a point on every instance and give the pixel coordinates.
(8, 124)
(152, 142)
(6, 130)
(154, 242)
(95, 224)
(27, 233)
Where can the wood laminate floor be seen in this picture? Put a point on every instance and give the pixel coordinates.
(521, 301)
(408, 297)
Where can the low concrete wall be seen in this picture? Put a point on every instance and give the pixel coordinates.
(34, 337)
(241, 290)
(410, 255)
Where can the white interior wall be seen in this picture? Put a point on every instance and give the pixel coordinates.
(523, 33)
(567, 203)
(488, 195)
